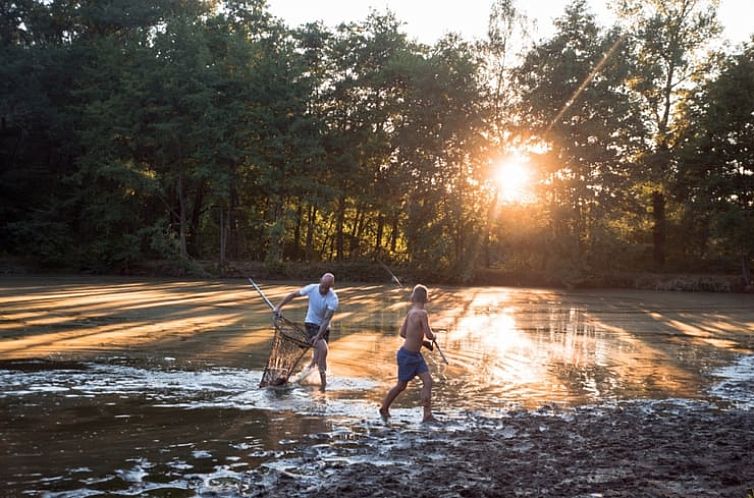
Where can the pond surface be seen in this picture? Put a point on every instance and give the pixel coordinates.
(129, 386)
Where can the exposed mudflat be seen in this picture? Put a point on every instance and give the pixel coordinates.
(668, 449)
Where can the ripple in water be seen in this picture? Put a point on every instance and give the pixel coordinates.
(737, 385)
(213, 388)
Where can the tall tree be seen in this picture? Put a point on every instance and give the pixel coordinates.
(573, 96)
(672, 36)
(443, 148)
(716, 167)
(507, 31)
(38, 67)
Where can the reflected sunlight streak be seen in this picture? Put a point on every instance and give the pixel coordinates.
(507, 353)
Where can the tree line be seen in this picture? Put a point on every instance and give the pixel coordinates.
(206, 130)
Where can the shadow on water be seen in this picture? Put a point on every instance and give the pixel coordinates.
(126, 386)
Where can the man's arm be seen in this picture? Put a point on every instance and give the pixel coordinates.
(287, 299)
(403, 327)
(425, 326)
(323, 326)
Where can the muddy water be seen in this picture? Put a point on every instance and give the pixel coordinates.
(128, 386)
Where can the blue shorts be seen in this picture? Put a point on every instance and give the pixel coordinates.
(410, 364)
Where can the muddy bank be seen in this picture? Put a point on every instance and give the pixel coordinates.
(371, 272)
(668, 449)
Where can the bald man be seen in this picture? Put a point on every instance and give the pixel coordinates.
(323, 301)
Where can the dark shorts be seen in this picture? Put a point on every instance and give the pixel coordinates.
(312, 329)
(410, 364)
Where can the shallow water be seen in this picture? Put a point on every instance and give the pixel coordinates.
(125, 386)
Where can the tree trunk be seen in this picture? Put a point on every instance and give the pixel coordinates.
(297, 232)
(659, 229)
(488, 231)
(222, 240)
(394, 234)
(310, 232)
(362, 223)
(378, 237)
(276, 232)
(341, 216)
(746, 270)
(182, 218)
(355, 232)
(196, 213)
(327, 238)
(332, 249)
(233, 245)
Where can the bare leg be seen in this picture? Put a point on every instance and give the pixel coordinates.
(315, 358)
(321, 351)
(398, 388)
(317, 350)
(426, 397)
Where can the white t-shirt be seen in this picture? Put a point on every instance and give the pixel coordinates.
(318, 304)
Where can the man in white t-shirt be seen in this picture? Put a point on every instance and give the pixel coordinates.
(323, 301)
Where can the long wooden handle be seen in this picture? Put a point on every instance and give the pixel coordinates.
(440, 351)
(395, 279)
(261, 293)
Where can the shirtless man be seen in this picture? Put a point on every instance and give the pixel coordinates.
(410, 361)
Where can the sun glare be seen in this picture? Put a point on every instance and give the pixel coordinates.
(513, 178)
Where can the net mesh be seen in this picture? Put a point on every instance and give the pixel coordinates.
(289, 345)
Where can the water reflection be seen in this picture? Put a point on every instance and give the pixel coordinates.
(547, 347)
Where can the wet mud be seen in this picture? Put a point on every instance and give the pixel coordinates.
(661, 449)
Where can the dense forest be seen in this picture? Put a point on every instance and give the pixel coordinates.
(191, 130)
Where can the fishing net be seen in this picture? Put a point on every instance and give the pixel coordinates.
(289, 345)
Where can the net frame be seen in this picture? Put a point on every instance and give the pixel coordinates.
(290, 343)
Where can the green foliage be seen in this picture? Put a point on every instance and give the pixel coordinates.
(671, 41)
(716, 184)
(51, 243)
(592, 133)
(187, 129)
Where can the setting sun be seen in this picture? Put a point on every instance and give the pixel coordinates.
(513, 179)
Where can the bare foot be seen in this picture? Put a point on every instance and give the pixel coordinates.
(385, 415)
(430, 420)
(322, 380)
